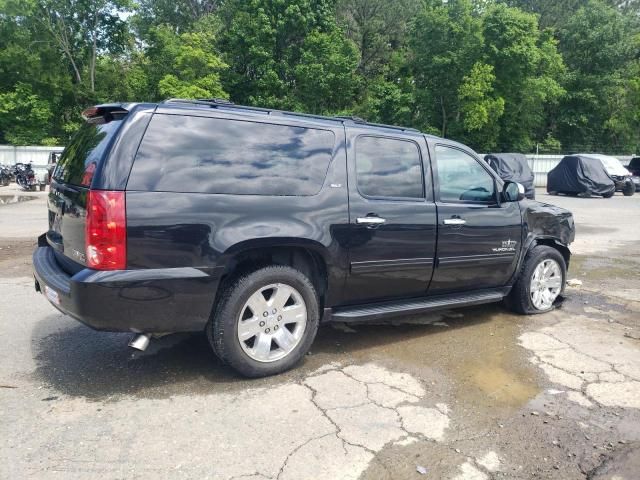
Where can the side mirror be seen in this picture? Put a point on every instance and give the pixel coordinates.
(512, 192)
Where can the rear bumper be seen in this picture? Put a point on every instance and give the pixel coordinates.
(150, 301)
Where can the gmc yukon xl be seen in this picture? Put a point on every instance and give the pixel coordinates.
(255, 225)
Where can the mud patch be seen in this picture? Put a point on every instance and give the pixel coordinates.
(503, 386)
(15, 257)
(10, 199)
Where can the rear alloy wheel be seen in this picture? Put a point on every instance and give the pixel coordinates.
(540, 283)
(265, 321)
(272, 322)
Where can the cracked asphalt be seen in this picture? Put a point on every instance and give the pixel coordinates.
(477, 393)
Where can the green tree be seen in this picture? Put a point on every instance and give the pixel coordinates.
(196, 67)
(445, 44)
(264, 42)
(24, 117)
(601, 46)
(325, 78)
(377, 29)
(389, 97)
(82, 29)
(179, 15)
(527, 69)
(481, 109)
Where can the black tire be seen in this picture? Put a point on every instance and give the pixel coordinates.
(42, 187)
(519, 299)
(222, 327)
(629, 189)
(608, 195)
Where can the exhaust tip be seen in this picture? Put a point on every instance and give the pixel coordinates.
(140, 341)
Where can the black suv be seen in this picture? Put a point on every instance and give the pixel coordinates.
(257, 225)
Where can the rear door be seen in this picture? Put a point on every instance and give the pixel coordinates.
(479, 239)
(392, 217)
(72, 178)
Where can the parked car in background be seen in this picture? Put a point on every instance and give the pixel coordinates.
(634, 166)
(513, 167)
(634, 169)
(582, 175)
(620, 175)
(254, 225)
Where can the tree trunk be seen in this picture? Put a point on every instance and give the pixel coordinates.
(444, 117)
(92, 67)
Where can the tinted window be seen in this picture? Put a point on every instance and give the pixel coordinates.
(212, 155)
(388, 167)
(84, 152)
(461, 178)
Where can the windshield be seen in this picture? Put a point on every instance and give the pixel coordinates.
(85, 151)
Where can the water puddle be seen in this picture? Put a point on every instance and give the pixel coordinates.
(476, 350)
(9, 199)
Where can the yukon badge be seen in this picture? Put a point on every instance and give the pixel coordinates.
(507, 246)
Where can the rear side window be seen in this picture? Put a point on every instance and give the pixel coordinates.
(387, 167)
(213, 155)
(84, 153)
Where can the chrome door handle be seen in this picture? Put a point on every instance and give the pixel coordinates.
(454, 221)
(370, 220)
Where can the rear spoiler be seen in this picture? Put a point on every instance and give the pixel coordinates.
(104, 113)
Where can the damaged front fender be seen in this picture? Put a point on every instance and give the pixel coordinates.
(542, 220)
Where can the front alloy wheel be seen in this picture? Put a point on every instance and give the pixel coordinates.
(540, 281)
(546, 283)
(272, 322)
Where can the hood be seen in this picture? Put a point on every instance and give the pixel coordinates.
(548, 221)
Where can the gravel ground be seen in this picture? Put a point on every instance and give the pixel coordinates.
(480, 394)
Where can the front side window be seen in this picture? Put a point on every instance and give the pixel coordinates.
(387, 167)
(461, 178)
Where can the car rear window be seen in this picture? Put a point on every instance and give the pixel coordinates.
(212, 155)
(84, 153)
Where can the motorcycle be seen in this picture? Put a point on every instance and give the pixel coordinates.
(25, 176)
(5, 176)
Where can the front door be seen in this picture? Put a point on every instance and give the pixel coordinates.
(479, 239)
(392, 229)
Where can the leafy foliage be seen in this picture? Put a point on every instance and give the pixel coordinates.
(495, 74)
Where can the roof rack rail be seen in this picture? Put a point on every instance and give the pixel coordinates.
(395, 127)
(200, 101)
(221, 102)
(353, 118)
(357, 119)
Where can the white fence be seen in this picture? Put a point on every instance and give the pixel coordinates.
(540, 164)
(36, 155)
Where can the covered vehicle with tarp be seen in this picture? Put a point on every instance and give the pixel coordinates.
(580, 175)
(513, 167)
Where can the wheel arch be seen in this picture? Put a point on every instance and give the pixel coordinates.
(535, 240)
(308, 256)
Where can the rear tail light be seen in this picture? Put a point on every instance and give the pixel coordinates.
(106, 230)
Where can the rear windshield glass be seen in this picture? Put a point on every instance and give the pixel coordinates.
(213, 155)
(84, 152)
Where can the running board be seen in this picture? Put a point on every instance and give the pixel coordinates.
(376, 311)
